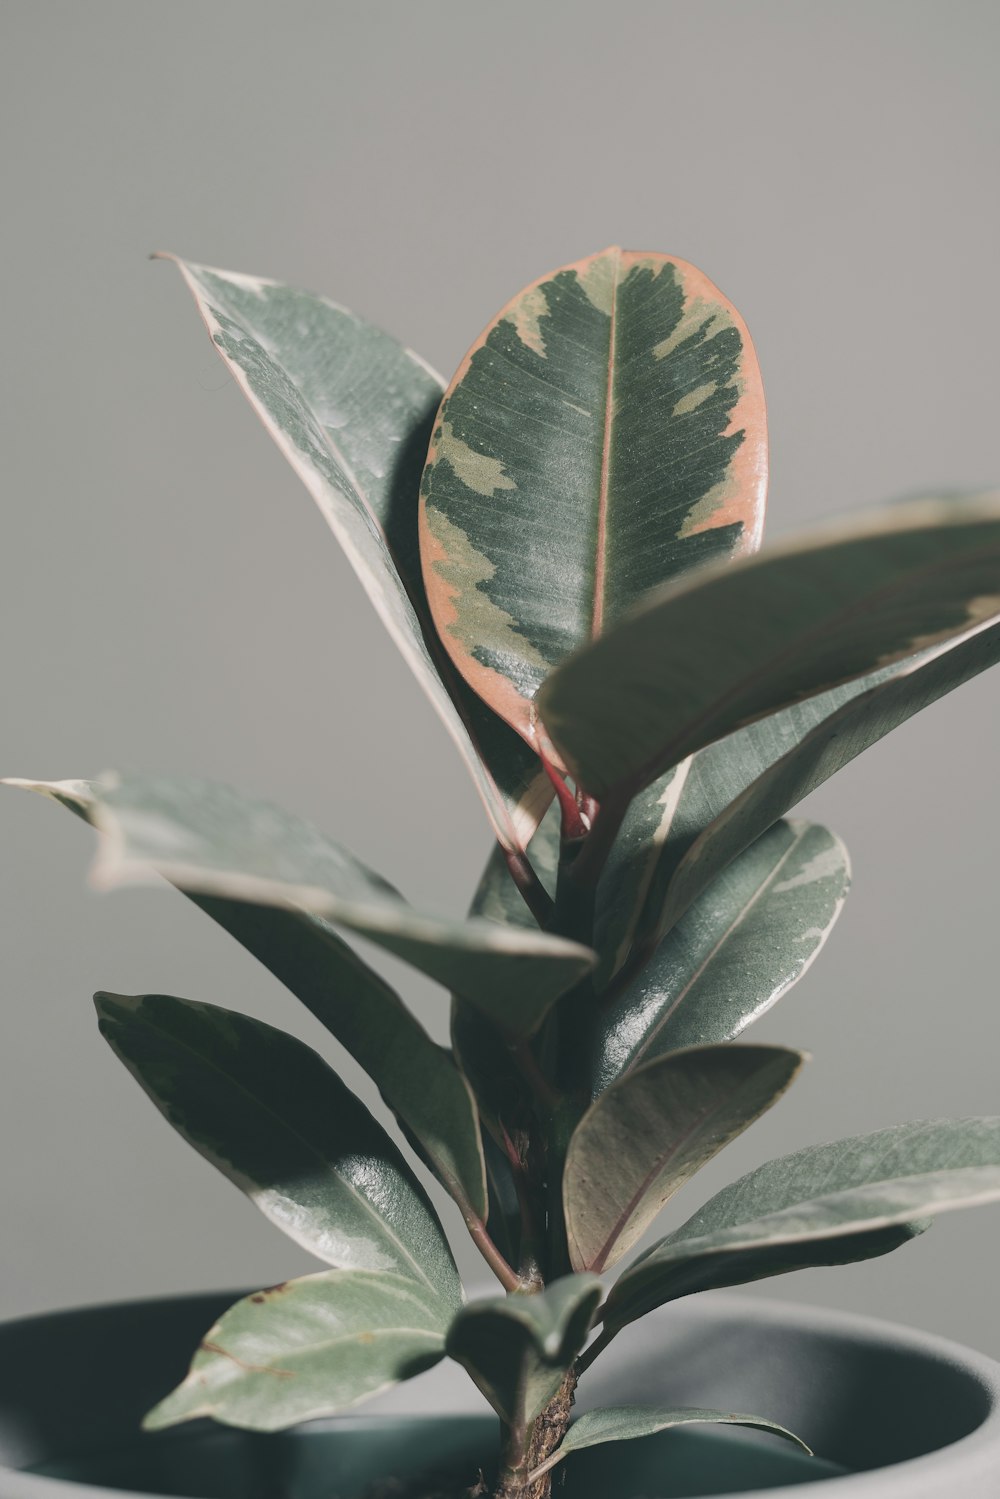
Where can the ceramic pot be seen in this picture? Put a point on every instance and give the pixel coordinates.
(893, 1414)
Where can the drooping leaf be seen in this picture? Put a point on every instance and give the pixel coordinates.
(741, 785)
(352, 411)
(417, 1079)
(518, 1349)
(208, 839)
(736, 952)
(623, 1423)
(277, 1121)
(825, 1205)
(309, 1348)
(702, 657)
(651, 1131)
(605, 433)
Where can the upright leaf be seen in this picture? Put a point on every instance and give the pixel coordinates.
(649, 1134)
(309, 1348)
(624, 1423)
(208, 839)
(605, 433)
(736, 952)
(825, 1205)
(518, 1349)
(700, 658)
(277, 1121)
(352, 411)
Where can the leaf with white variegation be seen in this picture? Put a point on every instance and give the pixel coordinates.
(518, 1349)
(208, 839)
(739, 786)
(701, 658)
(736, 952)
(309, 1348)
(352, 411)
(651, 1131)
(280, 1124)
(605, 433)
(625, 1423)
(824, 1205)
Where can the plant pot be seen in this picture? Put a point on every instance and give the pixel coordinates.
(894, 1414)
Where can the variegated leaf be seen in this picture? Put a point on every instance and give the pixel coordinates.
(825, 1205)
(279, 1123)
(739, 786)
(209, 840)
(352, 411)
(699, 659)
(309, 1348)
(605, 433)
(651, 1131)
(743, 945)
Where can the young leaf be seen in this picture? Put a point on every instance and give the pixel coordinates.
(352, 411)
(736, 952)
(279, 1123)
(649, 1134)
(678, 672)
(309, 1348)
(623, 1423)
(742, 784)
(518, 1349)
(605, 433)
(825, 1205)
(208, 839)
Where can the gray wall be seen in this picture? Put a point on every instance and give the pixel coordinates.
(170, 599)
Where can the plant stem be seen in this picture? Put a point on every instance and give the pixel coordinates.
(505, 1274)
(595, 1350)
(529, 1449)
(535, 896)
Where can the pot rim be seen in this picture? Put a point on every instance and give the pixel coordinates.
(972, 1456)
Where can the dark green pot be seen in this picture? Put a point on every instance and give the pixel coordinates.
(894, 1414)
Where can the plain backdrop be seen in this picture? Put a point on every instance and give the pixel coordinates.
(172, 601)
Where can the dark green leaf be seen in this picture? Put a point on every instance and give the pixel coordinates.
(604, 434)
(622, 1423)
(738, 950)
(649, 1134)
(352, 411)
(275, 1119)
(700, 658)
(825, 1205)
(309, 1348)
(209, 840)
(518, 1348)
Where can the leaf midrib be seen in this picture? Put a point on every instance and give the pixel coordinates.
(601, 543)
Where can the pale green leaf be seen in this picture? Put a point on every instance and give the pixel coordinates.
(651, 1131)
(311, 1347)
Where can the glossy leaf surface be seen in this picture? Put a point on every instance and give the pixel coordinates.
(704, 657)
(605, 433)
(651, 1131)
(309, 1348)
(825, 1205)
(624, 1423)
(517, 1349)
(417, 1078)
(277, 1121)
(208, 839)
(743, 945)
(352, 411)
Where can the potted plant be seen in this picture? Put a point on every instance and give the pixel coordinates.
(565, 548)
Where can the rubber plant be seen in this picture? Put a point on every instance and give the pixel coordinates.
(566, 550)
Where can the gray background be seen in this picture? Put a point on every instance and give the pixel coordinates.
(170, 600)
